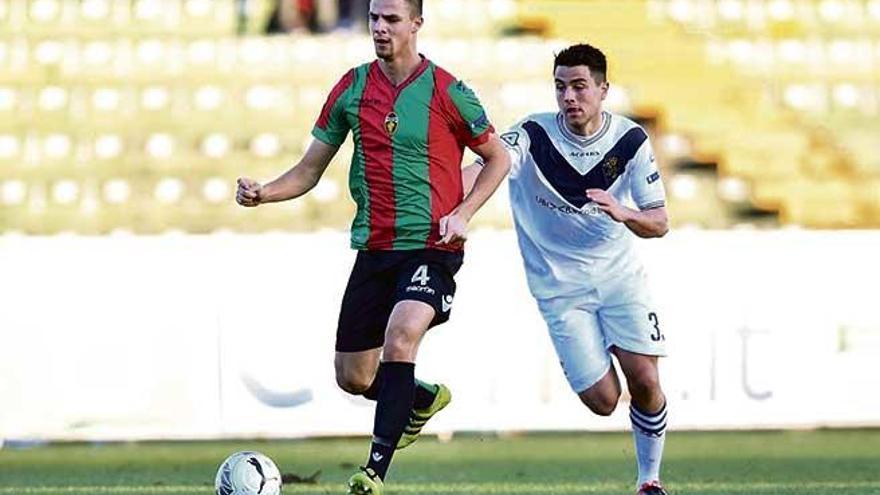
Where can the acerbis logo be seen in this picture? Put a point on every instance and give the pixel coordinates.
(583, 154)
(511, 138)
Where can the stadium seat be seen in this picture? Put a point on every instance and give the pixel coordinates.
(147, 105)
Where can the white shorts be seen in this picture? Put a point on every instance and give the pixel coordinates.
(585, 327)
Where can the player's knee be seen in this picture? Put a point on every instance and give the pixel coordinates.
(401, 349)
(644, 385)
(602, 404)
(400, 343)
(353, 383)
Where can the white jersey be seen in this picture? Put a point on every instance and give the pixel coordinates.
(568, 245)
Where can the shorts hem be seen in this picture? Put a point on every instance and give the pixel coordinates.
(577, 386)
(350, 349)
(635, 349)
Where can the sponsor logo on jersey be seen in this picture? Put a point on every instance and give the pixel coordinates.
(589, 209)
(653, 177)
(583, 154)
(510, 138)
(391, 123)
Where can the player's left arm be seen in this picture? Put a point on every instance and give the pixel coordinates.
(496, 164)
(473, 129)
(650, 219)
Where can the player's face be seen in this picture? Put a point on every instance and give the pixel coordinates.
(578, 95)
(393, 27)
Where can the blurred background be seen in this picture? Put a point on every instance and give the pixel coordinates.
(138, 301)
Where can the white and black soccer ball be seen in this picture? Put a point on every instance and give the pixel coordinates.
(248, 473)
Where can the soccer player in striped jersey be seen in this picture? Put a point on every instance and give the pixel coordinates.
(410, 121)
(571, 173)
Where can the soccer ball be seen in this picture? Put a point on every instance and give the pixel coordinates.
(248, 473)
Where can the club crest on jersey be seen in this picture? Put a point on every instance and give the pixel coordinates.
(609, 167)
(391, 123)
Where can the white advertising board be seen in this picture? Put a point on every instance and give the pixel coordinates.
(232, 335)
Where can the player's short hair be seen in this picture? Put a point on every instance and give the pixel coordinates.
(416, 7)
(584, 54)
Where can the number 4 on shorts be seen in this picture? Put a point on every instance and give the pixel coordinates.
(421, 275)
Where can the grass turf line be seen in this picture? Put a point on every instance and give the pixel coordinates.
(840, 462)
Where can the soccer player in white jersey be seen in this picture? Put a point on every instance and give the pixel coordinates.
(572, 172)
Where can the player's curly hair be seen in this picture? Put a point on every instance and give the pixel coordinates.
(584, 54)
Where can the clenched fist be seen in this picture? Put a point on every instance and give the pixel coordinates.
(248, 192)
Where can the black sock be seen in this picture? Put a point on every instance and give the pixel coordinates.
(392, 413)
(380, 458)
(425, 394)
(372, 393)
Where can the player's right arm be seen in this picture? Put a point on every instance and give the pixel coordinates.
(292, 184)
(329, 132)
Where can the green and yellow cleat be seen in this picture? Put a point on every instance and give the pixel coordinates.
(365, 482)
(418, 417)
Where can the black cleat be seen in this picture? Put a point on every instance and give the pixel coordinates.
(652, 488)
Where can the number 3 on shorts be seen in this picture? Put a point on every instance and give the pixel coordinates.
(657, 336)
(421, 275)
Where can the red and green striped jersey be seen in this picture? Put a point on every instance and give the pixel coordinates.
(408, 144)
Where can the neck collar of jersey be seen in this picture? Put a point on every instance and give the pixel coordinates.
(423, 64)
(583, 141)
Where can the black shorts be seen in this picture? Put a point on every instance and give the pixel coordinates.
(381, 279)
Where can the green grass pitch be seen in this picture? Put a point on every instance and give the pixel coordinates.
(840, 462)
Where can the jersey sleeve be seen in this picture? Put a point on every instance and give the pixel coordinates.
(473, 123)
(332, 126)
(516, 143)
(646, 185)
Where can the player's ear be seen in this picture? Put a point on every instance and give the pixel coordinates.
(604, 87)
(417, 23)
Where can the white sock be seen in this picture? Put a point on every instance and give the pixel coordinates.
(649, 433)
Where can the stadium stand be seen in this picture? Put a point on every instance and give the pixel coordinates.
(815, 67)
(137, 115)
